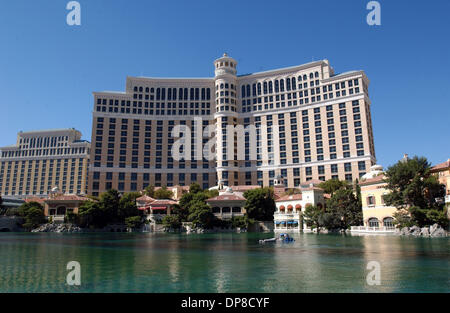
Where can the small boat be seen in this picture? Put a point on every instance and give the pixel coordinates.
(286, 238)
(268, 240)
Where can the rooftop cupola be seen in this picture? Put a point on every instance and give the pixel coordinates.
(225, 65)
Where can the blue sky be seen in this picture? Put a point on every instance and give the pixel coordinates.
(48, 70)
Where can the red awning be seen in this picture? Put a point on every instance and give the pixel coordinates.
(143, 208)
(159, 208)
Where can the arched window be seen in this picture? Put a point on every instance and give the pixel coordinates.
(311, 76)
(270, 87)
(259, 89)
(316, 74)
(226, 209)
(281, 85)
(254, 89)
(277, 87)
(298, 208)
(265, 88)
(294, 84)
(288, 84)
(216, 210)
(305, 77)
(300, 78)
(388, 222)
(248, 90)
(243, 91)
(373, 222)
(236, 209)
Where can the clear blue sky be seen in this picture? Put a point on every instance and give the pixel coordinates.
(48, 70)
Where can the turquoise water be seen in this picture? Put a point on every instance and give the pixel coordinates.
(120, 262)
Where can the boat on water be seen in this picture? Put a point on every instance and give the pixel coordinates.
(283, 238)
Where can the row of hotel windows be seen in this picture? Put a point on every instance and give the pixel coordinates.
(43, 142)
(169, 177)
(183, 93)
(135, 152)
(42, 152)
(269, 87)
(159, 109)
(256, 104)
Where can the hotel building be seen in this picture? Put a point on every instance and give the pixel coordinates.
(42, 160)
(309, 122)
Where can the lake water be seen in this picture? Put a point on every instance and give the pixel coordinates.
(140, 262)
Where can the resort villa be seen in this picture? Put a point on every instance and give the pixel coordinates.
(289, 208)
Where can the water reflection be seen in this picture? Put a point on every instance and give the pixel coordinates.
(221, 263)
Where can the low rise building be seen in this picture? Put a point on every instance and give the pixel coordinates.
(227, 204)
(288, 216)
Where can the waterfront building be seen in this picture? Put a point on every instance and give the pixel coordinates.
(58, 205)
(377, 216)
(442, 171)
(41, 160)
(309, 123)
(288, 216)
(227, 204)
(155, 209)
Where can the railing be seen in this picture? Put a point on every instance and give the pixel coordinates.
(372, 229)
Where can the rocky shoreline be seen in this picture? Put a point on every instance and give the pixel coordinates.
(58, 228)
(433, 231)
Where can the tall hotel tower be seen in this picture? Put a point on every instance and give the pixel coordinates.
(308, 122)
(44, 159)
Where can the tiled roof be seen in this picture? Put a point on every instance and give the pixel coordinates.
(245, 187)
(226, 197)
(294, 197)
(441, 166)
(313, 182)
(67, 198)
(377, 179)
(35, 199)
(145, 198)
(158, 202)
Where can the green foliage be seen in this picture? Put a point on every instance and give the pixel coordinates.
(70, 218)
(413, 188)
(163, 193)
(195, 188)
(332, 185)
(150, 191)
(200, 214)
(127, 206)
(171, 222)
(260, 204)
(313, 216)
(134, 222)
(110, 208)
(2, 209)
(33, 214)
(12, 212)
(292, 191)
(345, 210)
(241, 221)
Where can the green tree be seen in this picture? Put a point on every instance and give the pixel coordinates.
(195, 188)
(127, 206)
(163, 193)
(413, 188)
(134, 222)
(313, 216)
(343, 210)
(260, 204)
(90, 214)
(200, 215)
(2, 209)
(171, 222)
(150, 191)
(109, 205)
(33, 214)
(332, 185)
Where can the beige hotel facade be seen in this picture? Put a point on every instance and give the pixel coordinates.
(44, 159)
(309, 122)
